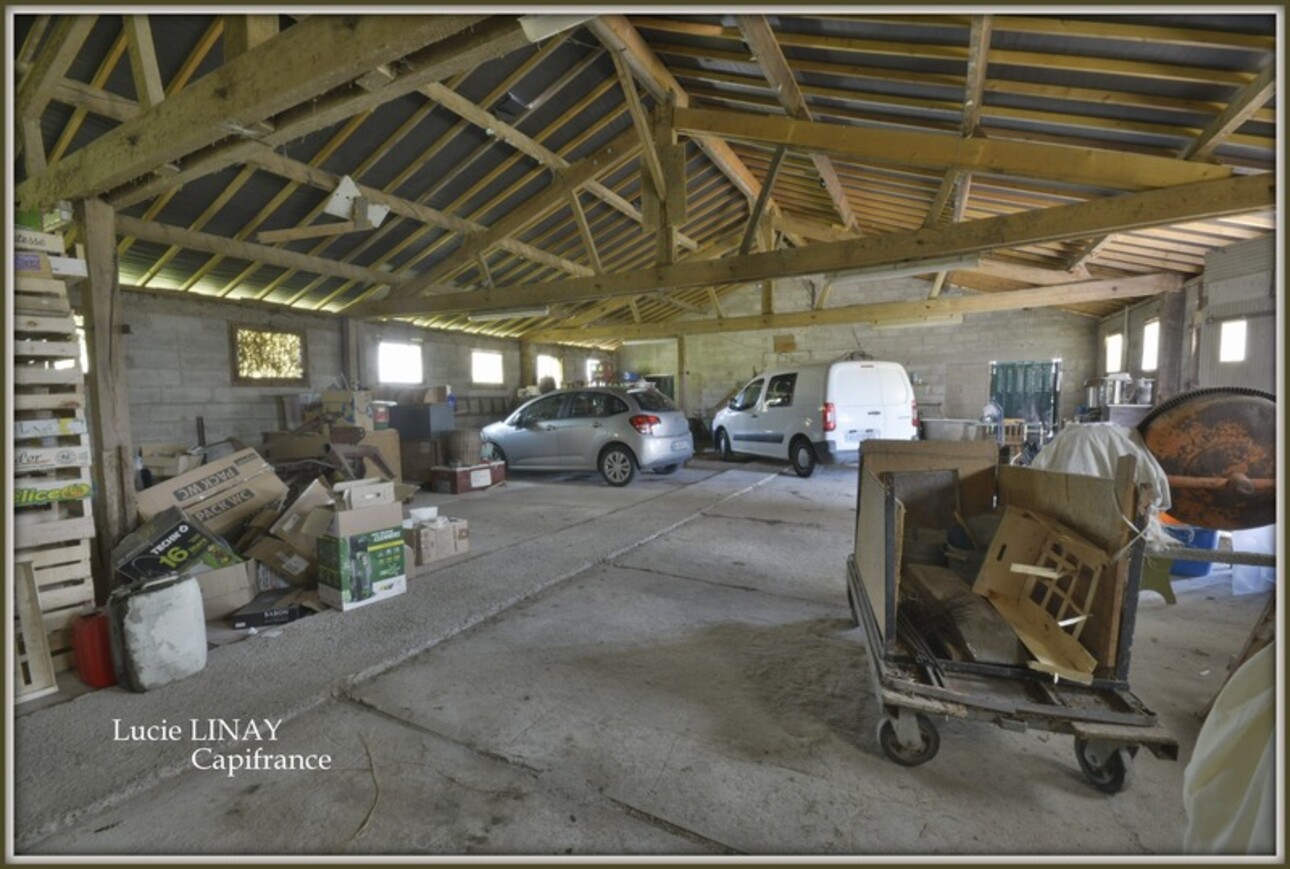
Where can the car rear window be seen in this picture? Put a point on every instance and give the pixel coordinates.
(652, 399)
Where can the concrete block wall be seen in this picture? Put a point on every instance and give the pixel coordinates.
(178, 367)
(949, 364)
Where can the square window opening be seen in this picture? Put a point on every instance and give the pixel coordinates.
(486, 368)
(397, 362)
(268, 357)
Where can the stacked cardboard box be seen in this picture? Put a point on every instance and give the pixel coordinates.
(435, 539)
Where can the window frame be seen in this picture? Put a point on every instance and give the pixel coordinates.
(1244, 323)
(501, 367)
(420, 355)
(1106, 352)
(791, 377)
(1154, 344)
(233, 347)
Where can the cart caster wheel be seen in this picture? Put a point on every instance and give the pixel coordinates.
(1107, 766)
(929, 741)
(855, 610)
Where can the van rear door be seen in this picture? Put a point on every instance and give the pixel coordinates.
(855, 391)
(898, 403)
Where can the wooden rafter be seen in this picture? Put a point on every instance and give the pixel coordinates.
(1123, 213)
(759, 37)
(1247, 101)
(309, 59)
(37, 87)
(885, 312)
(649, 156)
(143, 61)
(1115, 169)
(494, 37)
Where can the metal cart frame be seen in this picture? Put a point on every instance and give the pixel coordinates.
(912, 684)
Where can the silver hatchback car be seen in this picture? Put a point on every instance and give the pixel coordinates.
(614, 431)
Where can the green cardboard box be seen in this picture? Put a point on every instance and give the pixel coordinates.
(360, 557)
(168, 543)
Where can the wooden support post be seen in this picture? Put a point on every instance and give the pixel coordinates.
(143, 61)
(350, 359)
(528, 364)
(113, 469)
(680, 374)
(33, 146)
(584, 229)
(244, 32)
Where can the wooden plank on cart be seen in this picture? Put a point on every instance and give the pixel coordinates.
(62, 531)
(66, 399)
(34, 375)
(33, 324)
(33, 668)
(50, 427)
(42, 349)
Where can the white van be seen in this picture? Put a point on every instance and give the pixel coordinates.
(818, 412)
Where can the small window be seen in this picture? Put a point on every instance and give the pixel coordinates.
(549, 366)
(398, 363)
(780, 391)
(1151, 345)
(1231, 341)
(1114, 352)
(486, 367)
(750, 395)
(593, 368)
(267, 357)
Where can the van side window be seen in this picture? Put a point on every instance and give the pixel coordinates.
(749, 396)
(780, 391)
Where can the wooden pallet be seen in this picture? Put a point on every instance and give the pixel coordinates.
(53, 516)
(33, 667)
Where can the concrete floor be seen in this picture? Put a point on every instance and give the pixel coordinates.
(668, 668)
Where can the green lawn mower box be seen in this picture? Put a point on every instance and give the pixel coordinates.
(360, 557)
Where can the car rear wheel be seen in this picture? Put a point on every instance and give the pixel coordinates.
(802, 455)
(723, 445)
(617, 465)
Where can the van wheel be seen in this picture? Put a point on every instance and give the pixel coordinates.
(617, 465)
(723, 445)
(802, 455)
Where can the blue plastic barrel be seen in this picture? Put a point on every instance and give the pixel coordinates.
(1193, 538)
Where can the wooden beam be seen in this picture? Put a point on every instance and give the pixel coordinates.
(244, 32)
(584, 229)
(759, 209)
(303, 173)
(33, 146)
(96, 100)
(649, 156)
(173, 235)
(974, 91)
(810, 229)
(143, 61)
(885, 312)
(493, 38)
(113, 468)
(1024, 273)
(1087, 251)
(458, 104)
(308, 60)
(1115, 169)
(317, 230)
(27, 52)
(1247, 101)
(1116, 214)
(943, 193)
(37, 87)
(766, 49)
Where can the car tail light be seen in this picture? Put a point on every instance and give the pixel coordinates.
(644, 423)
(830, 416)
(913, 406)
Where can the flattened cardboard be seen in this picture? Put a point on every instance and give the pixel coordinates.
(283, 560)
(227, 590)
(221, 494)
(290, 526)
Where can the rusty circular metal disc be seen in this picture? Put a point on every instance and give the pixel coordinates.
(1215, 434)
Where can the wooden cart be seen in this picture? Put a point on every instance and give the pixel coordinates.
(1058, 582)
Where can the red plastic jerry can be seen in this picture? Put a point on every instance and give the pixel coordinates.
(92, 649)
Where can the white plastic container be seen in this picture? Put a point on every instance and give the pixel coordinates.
(1249, 578)
(158, 631)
